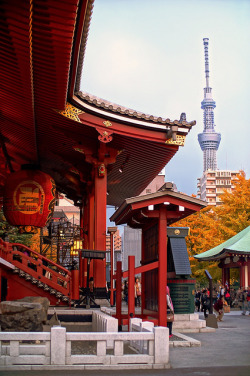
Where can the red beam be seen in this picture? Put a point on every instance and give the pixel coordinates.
(124, 129)
(160, 200)
(141, 269)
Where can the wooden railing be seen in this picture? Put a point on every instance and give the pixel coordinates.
(37, 266)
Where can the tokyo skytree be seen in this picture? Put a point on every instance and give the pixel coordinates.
(209, 140)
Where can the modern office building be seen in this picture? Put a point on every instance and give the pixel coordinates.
(213, 183)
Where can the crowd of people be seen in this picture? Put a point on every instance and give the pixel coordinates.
(221, 298)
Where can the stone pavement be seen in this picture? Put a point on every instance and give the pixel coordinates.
(229, 345)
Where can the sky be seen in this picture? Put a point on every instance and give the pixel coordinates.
(148, 55)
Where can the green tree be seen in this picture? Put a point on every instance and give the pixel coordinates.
(11, 233)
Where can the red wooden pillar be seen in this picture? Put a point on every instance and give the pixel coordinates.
(131, 287)
(111, 231)
(100, 226)
(85, 242)
(162, 270)
(81, 267)
(142, 275)
(119, 293)
(75, 284)
(91, 226)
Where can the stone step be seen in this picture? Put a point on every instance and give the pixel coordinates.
(192, 324)
(186, 316)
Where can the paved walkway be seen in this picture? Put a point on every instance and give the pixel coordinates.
(229, 345)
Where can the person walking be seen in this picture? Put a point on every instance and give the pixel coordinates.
(126, 291)
(246, 301)
(205, 302)
(137, 292)
(198, 300)
(218, 308)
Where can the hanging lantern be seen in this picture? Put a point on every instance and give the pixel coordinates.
(29, 199)
(76, 247)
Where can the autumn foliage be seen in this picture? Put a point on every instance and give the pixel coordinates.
(214, 225)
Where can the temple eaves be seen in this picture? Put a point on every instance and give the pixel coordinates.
(117, 109)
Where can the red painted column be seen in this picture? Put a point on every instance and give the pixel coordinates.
(75, 284)
(91, 220)
(85, 242)
(119, 293)
(143, 274)
(131, 287)
(100, 227)
(91, 227)
(81, 267)
(162, 270)
(111, 268)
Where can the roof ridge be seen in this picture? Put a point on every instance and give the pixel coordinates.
(126, 111)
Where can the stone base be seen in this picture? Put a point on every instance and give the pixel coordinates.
(188, 323)
(211, 321)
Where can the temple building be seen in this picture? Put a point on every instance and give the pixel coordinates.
(233, 253)
(56, 138)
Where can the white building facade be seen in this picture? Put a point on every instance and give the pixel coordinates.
(213, 184)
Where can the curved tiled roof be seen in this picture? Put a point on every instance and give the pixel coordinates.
(40, 42)
(239, 244)
(121, 110)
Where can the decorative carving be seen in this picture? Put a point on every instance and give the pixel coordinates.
(180, 140)
(107, 123)
(105, 136)
(71, 112)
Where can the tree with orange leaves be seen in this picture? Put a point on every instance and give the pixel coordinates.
(214, 225)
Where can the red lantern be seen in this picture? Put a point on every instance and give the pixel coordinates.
(29, 199)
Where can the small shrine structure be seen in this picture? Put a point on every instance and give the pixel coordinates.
(153, 213)
(233, 253)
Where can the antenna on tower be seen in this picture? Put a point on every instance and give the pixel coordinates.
(205, 43)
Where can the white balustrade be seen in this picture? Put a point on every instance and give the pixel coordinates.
(55, 348)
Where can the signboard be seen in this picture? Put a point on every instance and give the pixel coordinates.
(86, 253)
